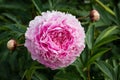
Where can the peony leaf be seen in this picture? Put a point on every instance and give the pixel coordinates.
(66, 76)
(3, 35)
(11, 17)
(39, 76)
(99, 53)
(106, 40)
(14, 6)
(18, 28)
(79, 65)
(107, 32)
(90, 36)
(50, 4)
(105, 7)
(32, 70)
(106, 69)
(37, 4)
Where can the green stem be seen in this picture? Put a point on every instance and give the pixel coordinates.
(88, 73)
(88, 68)
(83, 17)
(105, 7)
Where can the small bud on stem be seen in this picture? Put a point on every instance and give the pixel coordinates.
(94, 15)
(12, 44)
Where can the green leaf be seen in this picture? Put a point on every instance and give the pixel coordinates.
(3, 52)
(11, 17)
(84, 57)
(3, 35)
(15, 6)
(37, 4)
(99, 53)
(90, 36)
(29, 73)
(106, 69)
(3, 19)
(82, 74)
(66, 76)
(50, 4)
(105, 7)
(105, 18)
(79, 67)
(12, 30)
(106, 40)
(39, 76)
(107, 32)
(18, 28)
(117, 72)
(117, 11)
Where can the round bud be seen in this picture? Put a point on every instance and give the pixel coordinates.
(11, 44)
(94, 15)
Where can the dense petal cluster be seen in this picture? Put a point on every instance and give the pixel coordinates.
(55, 39)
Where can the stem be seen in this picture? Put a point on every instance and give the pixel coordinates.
(105, 7)
(89, 66)
(20, 45)
(88, 69)
(88, 73)
(82, 17)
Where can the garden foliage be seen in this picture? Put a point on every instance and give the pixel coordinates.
(100, 59)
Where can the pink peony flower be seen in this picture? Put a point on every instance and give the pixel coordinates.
(55, 39)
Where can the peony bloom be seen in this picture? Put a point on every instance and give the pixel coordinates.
(55, 39)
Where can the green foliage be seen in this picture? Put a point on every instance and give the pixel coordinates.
(90, 36)
(37, 4)
(99, 61)
(108, 70)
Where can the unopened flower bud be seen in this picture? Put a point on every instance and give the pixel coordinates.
(94, 15)
(11, 44)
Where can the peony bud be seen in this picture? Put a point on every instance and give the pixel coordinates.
(11, 44)
(94, 15)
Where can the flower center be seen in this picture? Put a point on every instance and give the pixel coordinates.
(60, 37)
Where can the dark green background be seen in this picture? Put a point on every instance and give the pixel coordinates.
(99, 61)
